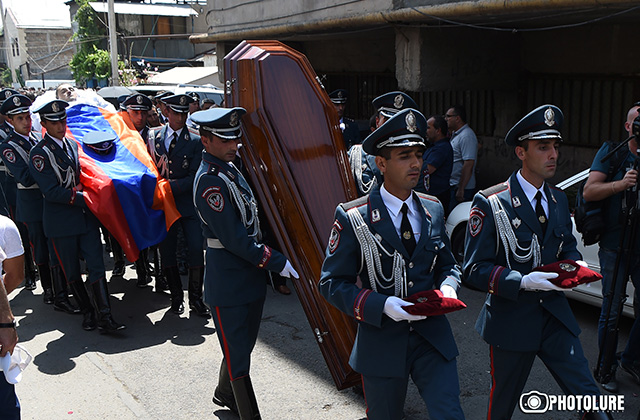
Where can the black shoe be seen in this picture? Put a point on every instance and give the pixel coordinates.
(89, 321)
(47, 296)
(177, 306)
(632, 369)
(108, 325)
(610, 386)
(66, 306)
(30, 283)
(200, 308)
(143, 281)
(225, 401)
(161, 284)
(118, 269)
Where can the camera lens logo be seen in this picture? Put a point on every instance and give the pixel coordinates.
(534, 402)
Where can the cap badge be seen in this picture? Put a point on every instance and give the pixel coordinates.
(139, 100)
(549, 117)
(55, 107)
(16, 101)
(567, 267)
(7, 94)
(410, 119)
(340, 95)
(183, 100)
(233, 119)
(398, 101)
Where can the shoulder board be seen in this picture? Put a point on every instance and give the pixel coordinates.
(155, 131)
(427, 197)
(193, 132)
(355, 203)
(213, 169)
(495, 189)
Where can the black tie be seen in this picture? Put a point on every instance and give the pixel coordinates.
(174, 140)
(542, 217)
(408, 240)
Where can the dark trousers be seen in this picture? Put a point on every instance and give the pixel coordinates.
(39, 243)
(560, 351)
(9, 404)
(69, 249)
(435, 377)
(237, 329)
(195, 243)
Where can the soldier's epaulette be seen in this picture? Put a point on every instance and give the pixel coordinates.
(355, 203)
(427, 197)
(213, 169)
(155, 131)
(193, 131)
(495, 189)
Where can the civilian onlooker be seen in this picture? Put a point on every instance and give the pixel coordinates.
(437, 162)
(465, 155)
(207, 103)
(613, 190)
(12, 263)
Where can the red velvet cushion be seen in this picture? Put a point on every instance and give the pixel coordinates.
(570, 273)
(431, 302)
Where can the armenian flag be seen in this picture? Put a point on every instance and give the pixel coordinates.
(123, 188)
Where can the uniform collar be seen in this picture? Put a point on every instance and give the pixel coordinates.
(529, 190)
(394, 204)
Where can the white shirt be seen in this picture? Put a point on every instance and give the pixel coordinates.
(169, 137)
(394, 204)
(10, 241)
(530, 191)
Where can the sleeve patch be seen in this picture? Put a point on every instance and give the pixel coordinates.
(476, 217)
(266, 256)
(38, 162)
(214, 198)
(9, 155)
(334, 237)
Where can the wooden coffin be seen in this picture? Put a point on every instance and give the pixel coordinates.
(296, 160)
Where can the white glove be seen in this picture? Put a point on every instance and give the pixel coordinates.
(582, 263)
(393, 309)
(448, 291)
(289, 272)
(539, 280)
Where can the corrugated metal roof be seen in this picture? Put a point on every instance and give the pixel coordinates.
(181, 10)
(48, 15)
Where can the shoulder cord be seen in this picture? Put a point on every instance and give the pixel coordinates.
(161, 161)
(508, 237)
(66, 181)
(369, 246)
(355, 161)
(241, 202)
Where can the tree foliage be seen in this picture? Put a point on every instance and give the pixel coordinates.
(90, 61)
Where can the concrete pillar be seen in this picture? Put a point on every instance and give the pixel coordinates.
(409, 63)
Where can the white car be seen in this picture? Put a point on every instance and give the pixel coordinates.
(590, 293)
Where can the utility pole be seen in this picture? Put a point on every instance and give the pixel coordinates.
(113, 45)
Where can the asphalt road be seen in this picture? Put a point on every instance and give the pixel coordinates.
(165, 366)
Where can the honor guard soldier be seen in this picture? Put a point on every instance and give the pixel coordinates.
(515, 227)
(363, 166)
(394, 240)
(137, 107)
(15, 154)
(68, 222)
(237, 261)
(349, 128)
(9, 190)
(177, 152)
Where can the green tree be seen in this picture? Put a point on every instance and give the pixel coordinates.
(6, 77)
(90, 61)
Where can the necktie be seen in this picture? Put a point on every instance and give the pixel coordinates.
(408, 240)
(174, 140)
(542, 217)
